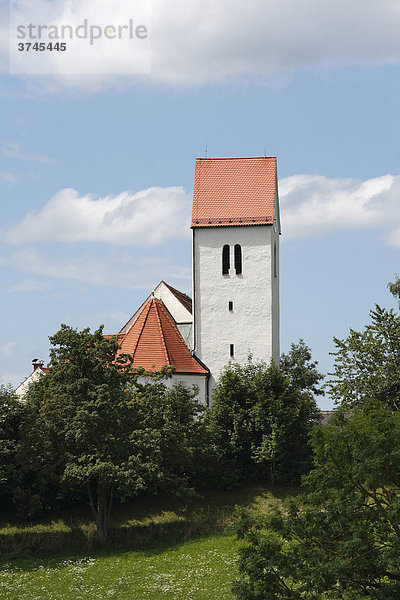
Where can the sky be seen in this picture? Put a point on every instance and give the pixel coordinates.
(96, 168)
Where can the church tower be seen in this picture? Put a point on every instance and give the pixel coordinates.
(236, 227)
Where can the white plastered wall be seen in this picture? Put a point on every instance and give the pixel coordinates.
(189, 380)
(275, 297)
(32, 378)
(253, 325)
(199, 380)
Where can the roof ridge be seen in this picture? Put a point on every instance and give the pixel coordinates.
(183, 298)
(171, 287)
(196, 186)
(141, 328)
(162, 332)
(171, 319)
(175, 328)
(234, 157)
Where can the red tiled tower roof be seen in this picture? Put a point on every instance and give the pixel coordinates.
(154, 341)
(234, 191)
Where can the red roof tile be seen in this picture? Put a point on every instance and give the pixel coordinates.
(234, 191)
(154, 340)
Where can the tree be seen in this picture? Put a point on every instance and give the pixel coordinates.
(367, 363)
(341, 539)
(302, 371)
(394, 288)
(168, 440)
(83, 417)
(103, 429)
(11, 412)
(40, 462)
(260, 419)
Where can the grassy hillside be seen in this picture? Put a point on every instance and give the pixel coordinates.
(182, 551)
(137, 524)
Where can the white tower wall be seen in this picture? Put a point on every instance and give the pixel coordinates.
(253, 324)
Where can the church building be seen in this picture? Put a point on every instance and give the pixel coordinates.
(234, 309)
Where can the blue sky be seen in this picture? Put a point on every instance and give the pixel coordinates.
(82, 159)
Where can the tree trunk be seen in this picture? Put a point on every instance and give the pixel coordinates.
(102, 516)
(100, 512)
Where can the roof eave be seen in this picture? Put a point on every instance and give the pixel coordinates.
(229, 225)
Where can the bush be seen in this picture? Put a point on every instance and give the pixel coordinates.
(260, 420)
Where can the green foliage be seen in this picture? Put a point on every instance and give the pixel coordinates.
(95, 429)
(80, 420)
(261, 417)
(11, 412)
(302, 371)
(367, 364)
(394, 288)
(100, 429)
(341, 539)
(167, 439)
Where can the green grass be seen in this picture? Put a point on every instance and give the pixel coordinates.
(197, 568)
(201, 569)
(156, 510)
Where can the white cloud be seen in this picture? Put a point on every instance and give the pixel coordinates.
(204, 41)
(146, 218)
(8, 349)
(13, 150)
(156, 219)
(118, 269)
(4, 35)
(28, 285)
(312, 204)
(201, 41)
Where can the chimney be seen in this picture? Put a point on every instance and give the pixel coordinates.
(36, 363)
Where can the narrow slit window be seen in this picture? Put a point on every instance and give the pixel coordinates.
(232, 351)
(238, 259)
(230, 305)
(226, 262)
(275, 261)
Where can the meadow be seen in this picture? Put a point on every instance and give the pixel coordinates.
(200, 566)
(197, 569)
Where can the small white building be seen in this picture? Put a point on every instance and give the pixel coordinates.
(38, 370)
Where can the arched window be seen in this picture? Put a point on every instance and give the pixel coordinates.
(238, 259)
(226, 261)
